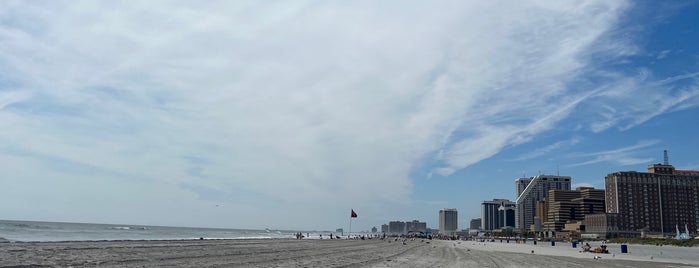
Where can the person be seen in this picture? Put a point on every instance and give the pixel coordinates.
(321, 236)
(331, 235)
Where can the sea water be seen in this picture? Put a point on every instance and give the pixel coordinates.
(60, 231)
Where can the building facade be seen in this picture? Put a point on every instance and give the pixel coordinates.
(415, 226)
(475, 224)
(541, 215)
(508, 215)
(448, 221)
(602, 225)
(396, 227)
(654, 202)
(497, 213)
(521, 184)
(536, 190)
(572, 206)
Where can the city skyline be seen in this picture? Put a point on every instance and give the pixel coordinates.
(287, 115)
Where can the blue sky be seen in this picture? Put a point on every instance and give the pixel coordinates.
(287, 114)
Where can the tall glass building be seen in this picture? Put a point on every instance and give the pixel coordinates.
(537, 189)
(448, 221)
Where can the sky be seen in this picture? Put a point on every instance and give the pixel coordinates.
(287, 114)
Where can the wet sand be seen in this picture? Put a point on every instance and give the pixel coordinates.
(302, 253)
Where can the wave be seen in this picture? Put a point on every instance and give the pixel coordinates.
(30, 226)
(241, 237)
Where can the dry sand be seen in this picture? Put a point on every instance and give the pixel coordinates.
(669, 254)
(305, 253)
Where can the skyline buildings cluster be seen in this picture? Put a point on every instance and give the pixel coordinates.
(564, 206)
(537, 189)
(404, 227)
(656, 202)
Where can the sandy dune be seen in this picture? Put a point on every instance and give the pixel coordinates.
(300, 253)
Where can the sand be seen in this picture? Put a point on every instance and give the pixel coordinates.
(316, 253)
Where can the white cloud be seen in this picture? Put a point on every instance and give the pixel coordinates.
(286, 106)
(624, 156)
(548, 149)
(663, 54)
(627, 102)
(12, 96)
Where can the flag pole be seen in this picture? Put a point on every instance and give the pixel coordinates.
(350, 230)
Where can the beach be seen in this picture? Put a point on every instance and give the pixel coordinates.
(323, 253)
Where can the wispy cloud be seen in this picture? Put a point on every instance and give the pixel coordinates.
(663, 54)
(522, 100)
(627, 102)
(624, 156)
(275, 106)
(548, 148)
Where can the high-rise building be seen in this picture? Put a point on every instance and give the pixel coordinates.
(448, 221)
(657, 201)
(374, 230)
(507, 215)
(542, 211)
(396, 227)
(564, 206)
(384, 228)
(475, 224)
(415, 226)
(536, 190)
(497, 214)
(521, 184)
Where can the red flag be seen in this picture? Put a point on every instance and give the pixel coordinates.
(354, 215)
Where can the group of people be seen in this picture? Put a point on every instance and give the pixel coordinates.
(331, 236)
(601, 249)
(300, 235)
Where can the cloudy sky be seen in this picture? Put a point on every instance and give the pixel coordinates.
(287, 114)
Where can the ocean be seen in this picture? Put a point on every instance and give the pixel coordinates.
(27, 231)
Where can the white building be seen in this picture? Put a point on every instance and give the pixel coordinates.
(448, 221)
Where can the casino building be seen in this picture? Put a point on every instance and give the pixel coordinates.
(655, 202)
